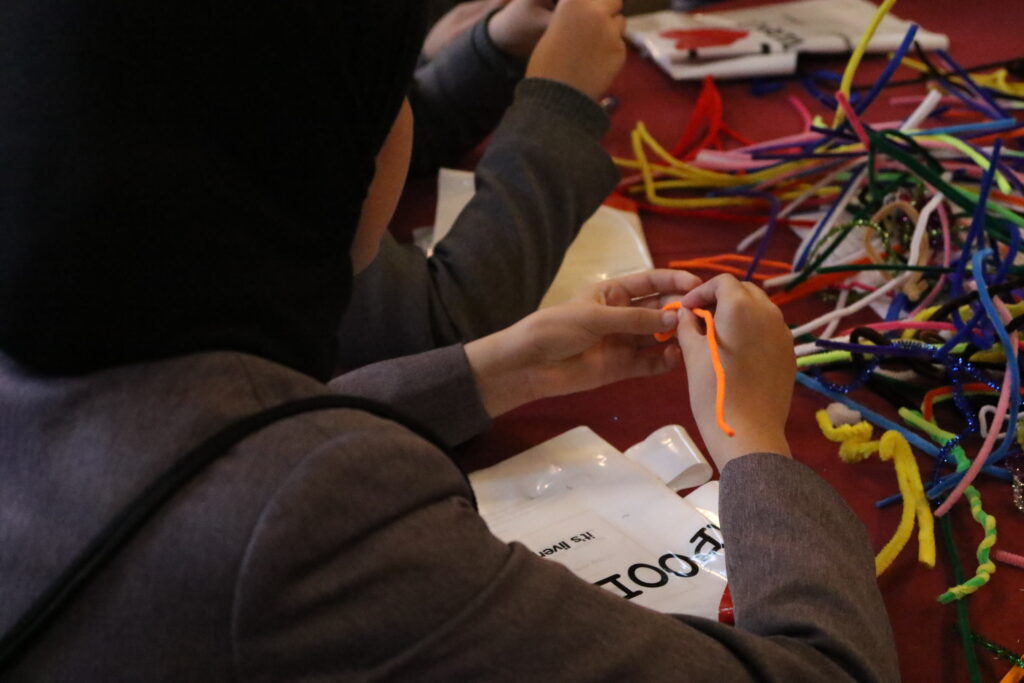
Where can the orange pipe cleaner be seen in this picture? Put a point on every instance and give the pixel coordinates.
(718, 263)
(716, 361)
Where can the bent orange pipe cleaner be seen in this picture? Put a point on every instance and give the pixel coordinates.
(716, 363)
(716, 360)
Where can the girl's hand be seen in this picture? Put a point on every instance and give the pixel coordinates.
(601, 337)
(455, 22)
(516, 29)
(756, 350)
(583, 46)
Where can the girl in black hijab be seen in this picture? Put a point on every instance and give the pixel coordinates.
(188, 176)
(183, 190)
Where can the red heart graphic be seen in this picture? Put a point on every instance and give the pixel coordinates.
(693, 38)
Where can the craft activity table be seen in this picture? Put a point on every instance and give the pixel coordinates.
(623, 414)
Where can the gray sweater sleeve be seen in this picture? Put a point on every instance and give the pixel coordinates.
(399, 579)
(414, 384)
(458, 98)
(544, 173)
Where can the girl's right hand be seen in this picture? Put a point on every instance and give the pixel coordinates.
(583, 46)
(756, 350)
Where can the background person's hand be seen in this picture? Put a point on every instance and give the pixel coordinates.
(602, 337)
(583, 46)
(455, 22)
(517, 28)
(756, 349)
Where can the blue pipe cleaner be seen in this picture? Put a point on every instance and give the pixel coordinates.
(847, 188)
(1000, 113)
(855, 383)
(955, 91)
(997, 126)
(896, 307)
(946, 483)
(890, 69)
(1012, 365)
(977, 225)
(868, 414)
(938, 486)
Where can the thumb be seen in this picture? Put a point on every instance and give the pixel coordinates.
(689, 330)
(692, 339)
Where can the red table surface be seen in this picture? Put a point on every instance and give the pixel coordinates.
(625, 413)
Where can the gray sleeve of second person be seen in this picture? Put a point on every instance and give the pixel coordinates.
(544, 173)
(435, 388)
(431, 595)
(458, 98)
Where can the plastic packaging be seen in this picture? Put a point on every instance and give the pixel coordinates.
(672, 456)
(610, 244)
(577, 500)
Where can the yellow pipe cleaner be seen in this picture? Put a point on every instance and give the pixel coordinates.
(856, 445)
(893, 446)
(854, 440)
(986, 567)
(858, 54)
(988, 523)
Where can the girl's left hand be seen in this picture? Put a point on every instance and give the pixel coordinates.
(516, 29)
(601, 337)
(457, 21)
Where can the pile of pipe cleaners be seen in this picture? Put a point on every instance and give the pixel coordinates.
(921, 223)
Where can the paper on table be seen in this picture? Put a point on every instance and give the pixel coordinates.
(756, 54)
(830, 26)
(610, 244)
(778, 31)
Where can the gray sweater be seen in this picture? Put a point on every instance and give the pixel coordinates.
(543, 174)
(337, 546)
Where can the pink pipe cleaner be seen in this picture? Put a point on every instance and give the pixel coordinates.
(997, 424)
(1008, 558)
(805, 115)
(851, 115)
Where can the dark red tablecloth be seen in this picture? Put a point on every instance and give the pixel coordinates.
(625, 413)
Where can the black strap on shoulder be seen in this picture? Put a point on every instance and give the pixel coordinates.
(140, 510)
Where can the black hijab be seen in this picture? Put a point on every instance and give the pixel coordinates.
(185, 176)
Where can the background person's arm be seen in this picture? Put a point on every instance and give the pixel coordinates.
(543, 174)
(458, 98)
(461, 92)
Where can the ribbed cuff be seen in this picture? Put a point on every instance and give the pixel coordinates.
(506, 66)
(566, 101)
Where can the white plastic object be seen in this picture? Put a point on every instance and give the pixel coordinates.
(609, 244)
(672, 456)
(840, 414)
(576, 500)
